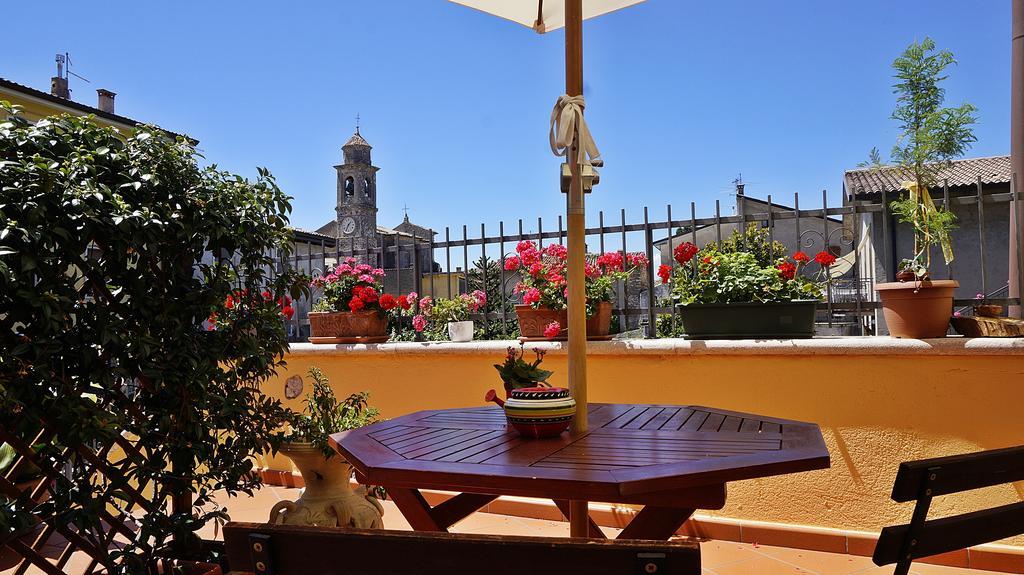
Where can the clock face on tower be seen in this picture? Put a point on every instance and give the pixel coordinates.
(348, 225)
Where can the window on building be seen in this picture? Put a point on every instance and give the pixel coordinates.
(350, 186)
(366, 187)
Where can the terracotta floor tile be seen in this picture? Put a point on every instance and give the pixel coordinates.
(714, 554)
(760, 565)
(717, 557)
(922, 569)
(925, 569)
(818, 561)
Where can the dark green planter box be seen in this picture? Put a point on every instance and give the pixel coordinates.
(785, 320)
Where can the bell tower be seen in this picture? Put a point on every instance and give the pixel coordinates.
(357, 202)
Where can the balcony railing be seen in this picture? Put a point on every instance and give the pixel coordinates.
(864, 234)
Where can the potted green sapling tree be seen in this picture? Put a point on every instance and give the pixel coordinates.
(931, 136)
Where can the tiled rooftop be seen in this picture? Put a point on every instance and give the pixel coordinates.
(991, 170)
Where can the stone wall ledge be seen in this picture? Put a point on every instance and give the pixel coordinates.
(819, 346)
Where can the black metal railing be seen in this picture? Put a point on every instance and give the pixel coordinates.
(864, 233)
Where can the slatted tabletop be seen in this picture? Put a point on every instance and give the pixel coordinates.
(676, 457)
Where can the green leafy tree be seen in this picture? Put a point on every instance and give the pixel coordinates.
(491, 284)
(931, 136)
(118, 254)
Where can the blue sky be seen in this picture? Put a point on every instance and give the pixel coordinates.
(683, 95)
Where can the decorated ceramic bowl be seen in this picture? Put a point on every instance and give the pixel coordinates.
(540, 411)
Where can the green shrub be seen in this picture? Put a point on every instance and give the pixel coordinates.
(105, 297)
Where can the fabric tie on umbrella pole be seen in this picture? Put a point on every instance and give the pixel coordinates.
(567, 126)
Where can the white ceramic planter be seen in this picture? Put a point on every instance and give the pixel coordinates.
(460, 331)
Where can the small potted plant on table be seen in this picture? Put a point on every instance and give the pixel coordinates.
(917, 306)
(353, 307)
(328, 499)
(745, 288)
(533, 408)
(543, 314)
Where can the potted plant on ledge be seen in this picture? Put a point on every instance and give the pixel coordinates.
(917, 306)
(543, 313)
(745, 288)
(328, 498)
(454, 312)
(353, 307)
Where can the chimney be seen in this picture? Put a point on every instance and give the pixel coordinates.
(106, 100)
(59, 87)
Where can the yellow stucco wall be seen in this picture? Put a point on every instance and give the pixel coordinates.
(878, 402)
(35, 109)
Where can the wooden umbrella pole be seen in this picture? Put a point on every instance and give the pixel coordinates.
(578, 515)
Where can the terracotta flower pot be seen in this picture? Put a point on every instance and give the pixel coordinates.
(533, 321)
(917, 309)
(327, 499)
(348, 326)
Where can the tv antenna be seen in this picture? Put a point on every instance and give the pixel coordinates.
(64, 67)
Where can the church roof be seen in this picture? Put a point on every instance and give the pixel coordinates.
(411, 228)
(357, 140)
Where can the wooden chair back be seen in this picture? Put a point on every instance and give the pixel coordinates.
(291, 550)
(923, 480)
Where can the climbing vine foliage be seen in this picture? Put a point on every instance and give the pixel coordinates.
(115, 249)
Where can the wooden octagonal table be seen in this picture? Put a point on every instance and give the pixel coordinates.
(672, 460)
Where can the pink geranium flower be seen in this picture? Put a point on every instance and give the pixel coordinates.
(531, 296)
(419, 322)
(552, 330)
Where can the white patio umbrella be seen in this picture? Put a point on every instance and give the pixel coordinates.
(569, 136)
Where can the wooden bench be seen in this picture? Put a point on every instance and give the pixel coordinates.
(928, 478)
(290, 550)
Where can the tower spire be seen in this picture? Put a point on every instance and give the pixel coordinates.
(357, 122)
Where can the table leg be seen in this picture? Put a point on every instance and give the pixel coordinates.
(595, 530)
(422, 517)
(657, 523)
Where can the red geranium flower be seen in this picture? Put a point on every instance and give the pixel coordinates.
(288, 311)
(825, 259)
(801, 257)
(611, 261)
(369, 295)
(525, 246)
(512, 264)
(787, 270)
(557, 251)
(684, 252)
(403, 302)
(387, 302)
(552, 330)
(665, 273)
(356, 304)
(530, 257)
(637, 259)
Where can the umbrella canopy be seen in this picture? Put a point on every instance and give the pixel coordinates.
(540, 15)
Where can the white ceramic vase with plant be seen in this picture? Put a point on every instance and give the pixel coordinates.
(456, 313)
(328, 499)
